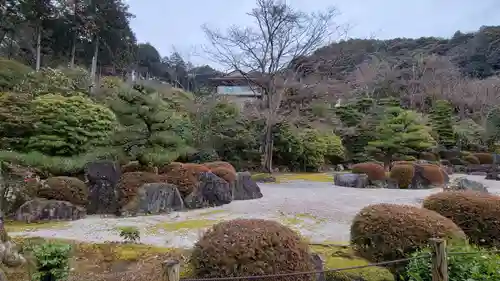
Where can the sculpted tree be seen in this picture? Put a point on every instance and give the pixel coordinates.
(264, 52)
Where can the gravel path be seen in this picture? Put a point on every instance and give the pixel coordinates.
(320, 211)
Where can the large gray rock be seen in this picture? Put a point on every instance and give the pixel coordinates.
(463, 183)
(102, 178)
(45, 210)
(159, 198)
(212, 191)
(245, 188)
(351, 180)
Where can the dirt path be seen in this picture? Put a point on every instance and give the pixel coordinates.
(320, 211)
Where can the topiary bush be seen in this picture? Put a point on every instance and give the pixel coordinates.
(68, 189)
(12, 73)
(225, 174)
(458, 162)
(287, 146)
(375, 171)
(129, 184)
(63, 81)
(169, 167)
(245, 247)
(474, 264)
(220, 164)
(476, 213)
(65, 126)
(402, 174)
(386, 232)
(185, 177)
(314, 150)
(472, 159)
(335, 150)
(16, 124)
(484, 158)
(434, 174)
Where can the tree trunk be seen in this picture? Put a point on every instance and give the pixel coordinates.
(268, 149)
(387, 162)
(73, 52)
(38, 47)
(93, 70)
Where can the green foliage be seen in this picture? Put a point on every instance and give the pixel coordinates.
(469, 133)
(65, 126)
(12, 73)
(152, 132)
(57, 165)
(287, 146)
(493, 126)
(15, 124)
(335, 150)
(400, 132)
(442, 123)
(52, 260)
(315, 148)
(474, 264)
(64, 82)
(130, 233)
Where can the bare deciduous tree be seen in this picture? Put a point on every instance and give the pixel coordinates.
(281, 35)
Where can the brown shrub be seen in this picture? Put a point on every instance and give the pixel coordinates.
(185, 177)
(374, 171)
(402, 174)
(130, 167)
(458, 162)
(478, 214)
(220, 164)
(169, 167)
(130, 182)
(429, 156)
(245, 247)
(385, 232)
(484, 158)
(226, 174)
(68, 189)
(471, 159)
(433, 173)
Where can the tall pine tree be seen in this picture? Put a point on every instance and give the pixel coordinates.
(442, 124)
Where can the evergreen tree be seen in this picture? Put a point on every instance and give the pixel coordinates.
(493, 127)
(400, 132)
(152, 131)
(442, 123)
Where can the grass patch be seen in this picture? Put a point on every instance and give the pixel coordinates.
(212, 212)
(314, 177)
(16, 226)
(182, 225)
(104, 261)
(343, 256)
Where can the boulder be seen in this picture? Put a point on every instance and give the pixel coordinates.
(155, 198)
(317, 262)
(17, 186)
(102, 178)
(463, 183)
(45, 210)
(351, 180)
(245, 188)
(493, 175)
(211, 191)
(421, 177)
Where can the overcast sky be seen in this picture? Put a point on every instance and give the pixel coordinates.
(175, 24)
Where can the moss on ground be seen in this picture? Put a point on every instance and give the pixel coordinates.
(335, 256)
(314, 177)
(212, 212)
(16, 226)
(182, 225)
(105, 261)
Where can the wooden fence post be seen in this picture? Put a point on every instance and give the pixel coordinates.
(171, 270)
(439, 260)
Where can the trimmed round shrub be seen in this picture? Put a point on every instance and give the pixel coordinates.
(185, 177)
(433, 173)
(225, 174)
(169, 167)
(402, 174)
(478, 214)
(245, 247)
(374, 171)
(472, 159)
(130, 183)
(385, 232)
(429, 156)
(68, 189)
(66, 126)
(220, 164)
(484, 158)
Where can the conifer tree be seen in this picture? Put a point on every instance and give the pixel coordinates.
(400, 132)
(442, 123)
